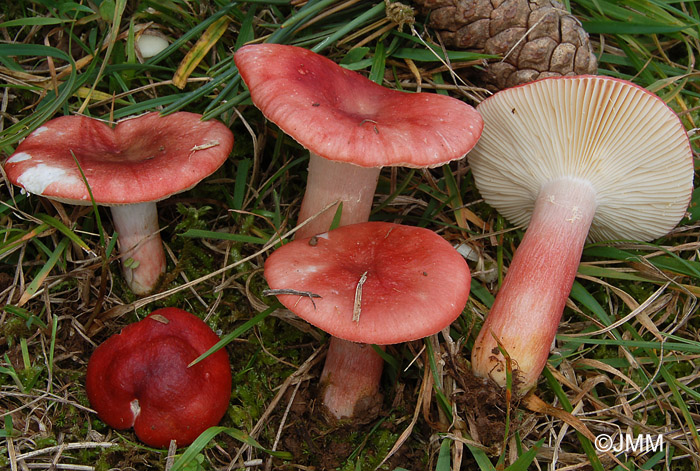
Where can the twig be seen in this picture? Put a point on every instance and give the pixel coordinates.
(170, 460)
(293, 292)
(357, 306)
(268, 465)
(65, 447)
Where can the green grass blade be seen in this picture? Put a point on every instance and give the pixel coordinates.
(237, 332)
(23, 236)
(241, 183)
(366, 17)
(439, 394)
(37, 21)
(444, 460)
(616, 27)
(525, 460)
(63, 229)
(48, 106)
(205, 437)
(586, 444)
(30, 318)
(44, 272)
(204, 234)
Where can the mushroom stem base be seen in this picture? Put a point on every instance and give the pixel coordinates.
(330, 181)
(142, 254)
(350, 379)
(525, 314)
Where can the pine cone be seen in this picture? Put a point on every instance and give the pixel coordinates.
(536, 38)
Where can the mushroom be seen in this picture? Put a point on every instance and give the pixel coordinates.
(368, 283)
(143, 378)
(142, 160)
(572, 158)
(150, 43)
(351, 126)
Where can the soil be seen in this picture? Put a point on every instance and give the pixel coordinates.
(326, 444)
(5, 281)
(484, 404)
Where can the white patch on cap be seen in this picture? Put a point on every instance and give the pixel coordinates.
(36, 179)
(324, 236)
(40, 130)
(135, 408)
(19, 157)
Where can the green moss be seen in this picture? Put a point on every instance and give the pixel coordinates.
(602, 352)
(679, 369)
(13, 328)
(373, 452)
(240, 417)
(100, 426)
(45, 442)
(250, 391)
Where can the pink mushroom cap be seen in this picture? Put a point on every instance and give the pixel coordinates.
(342, 116)
(416, 282)
(142, 159)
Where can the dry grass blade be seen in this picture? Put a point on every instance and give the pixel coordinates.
(296, 377)
(200, 49)
(426, 386)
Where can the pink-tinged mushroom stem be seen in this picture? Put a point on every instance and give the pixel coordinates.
(527, 309)
(139, 244)
(352, 370)
(330, 181)
(350, 378)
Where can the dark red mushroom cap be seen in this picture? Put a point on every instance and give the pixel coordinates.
(145, 158)
(415, 282)
(341, 115)
(140, 378)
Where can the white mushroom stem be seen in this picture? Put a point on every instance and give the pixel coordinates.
(526, 313)
(140, 245)
(330, 181)
(350, 378)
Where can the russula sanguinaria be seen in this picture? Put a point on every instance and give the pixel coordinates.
(141, 378)
(368, 283)
(351, 126)
(572, 158)
(130, 167)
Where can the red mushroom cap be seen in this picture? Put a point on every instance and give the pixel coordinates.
(141, 378)
(145, 158)
(343, 116)
(416, 282)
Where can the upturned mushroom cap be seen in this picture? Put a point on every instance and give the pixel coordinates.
(624, 140)
(343, 116)
(141, 378)
(415, 283)
(145, 158)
